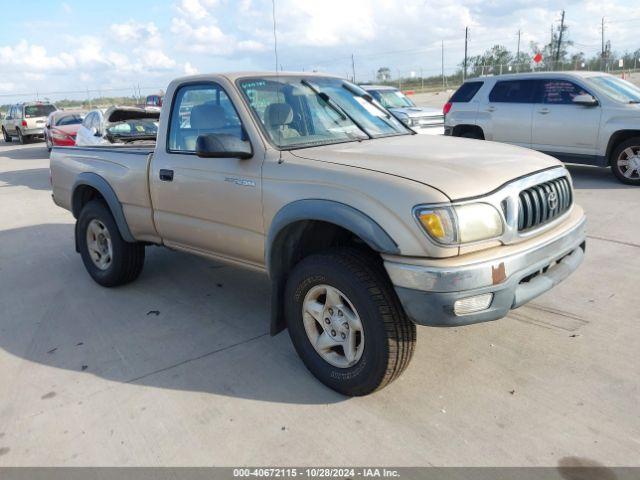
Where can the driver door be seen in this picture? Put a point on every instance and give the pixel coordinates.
(561, 126)
(207, 205)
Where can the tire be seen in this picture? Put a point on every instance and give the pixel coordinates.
(21, 138)
(48, 142)
(6, 136)
(387, 336)
(620, 163)
(121, 261)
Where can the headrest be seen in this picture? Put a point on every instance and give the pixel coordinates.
(208, 116)
(278, 114)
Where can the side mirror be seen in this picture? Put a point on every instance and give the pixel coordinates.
(220, 145)
(585, 99)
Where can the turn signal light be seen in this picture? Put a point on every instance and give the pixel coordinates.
(447, 108)
(433, 224)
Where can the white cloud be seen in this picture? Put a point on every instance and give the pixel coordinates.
(66, 7)
(132, 32)
(190, 69)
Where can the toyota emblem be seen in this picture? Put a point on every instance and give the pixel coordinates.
(552, 200)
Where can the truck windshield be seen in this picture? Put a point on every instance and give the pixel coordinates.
(617, 88)
(392, 98)
(299, 112)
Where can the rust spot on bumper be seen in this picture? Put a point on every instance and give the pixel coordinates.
(498, 274)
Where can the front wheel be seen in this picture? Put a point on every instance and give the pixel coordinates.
(346, 323)
(625, 161)
(6, 136)
(109, 259)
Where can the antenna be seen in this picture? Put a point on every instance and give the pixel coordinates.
(275, 35)
(275, 51)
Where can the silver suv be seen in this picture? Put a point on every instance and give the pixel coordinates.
(578, 117)
(26, 120)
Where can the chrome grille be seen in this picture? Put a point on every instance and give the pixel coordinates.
(542, 203)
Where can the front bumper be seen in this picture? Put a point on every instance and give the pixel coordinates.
(429, 130)
(428, 293)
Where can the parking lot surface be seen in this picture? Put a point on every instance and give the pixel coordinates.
(178, 367)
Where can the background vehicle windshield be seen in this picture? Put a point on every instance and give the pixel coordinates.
(617, 88)
(31, 111)
(73, 119)
(392, 99)
(294, 116)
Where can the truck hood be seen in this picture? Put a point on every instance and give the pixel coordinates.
(458, 167)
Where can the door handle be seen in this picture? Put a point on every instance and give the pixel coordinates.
(491, 109)
(543, 111)
(166, 175)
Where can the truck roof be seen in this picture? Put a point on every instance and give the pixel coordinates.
(233, 76)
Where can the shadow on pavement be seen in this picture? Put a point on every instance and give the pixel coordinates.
(34, 178)
(587, 176)
(186, 324)
(31, 151)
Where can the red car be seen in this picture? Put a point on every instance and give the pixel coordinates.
(61, 128)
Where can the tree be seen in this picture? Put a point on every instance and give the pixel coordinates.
(383, 74)
(495, 60)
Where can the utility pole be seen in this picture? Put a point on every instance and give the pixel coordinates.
(466, 42)
(560, 39)
(602, 60)
(518, 54)
(353, 67)
(443, 87)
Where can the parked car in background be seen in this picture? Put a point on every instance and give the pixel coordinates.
(578, 117)
(364, 228)
(62, 126)
(118, 125)
(153, 101)
(26, 121)
(421, 119)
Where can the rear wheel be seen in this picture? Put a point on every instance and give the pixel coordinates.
(346, 322)
(6, 136)
(21, 138)
(625, 161)
(109, 259)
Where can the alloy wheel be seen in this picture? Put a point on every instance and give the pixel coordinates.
(333, 326)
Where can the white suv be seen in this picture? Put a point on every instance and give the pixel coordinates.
(578, 117)
(26, 120)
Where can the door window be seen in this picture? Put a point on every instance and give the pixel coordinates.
(513, 91)
(87, 121)
(560, 92)
(198, 110)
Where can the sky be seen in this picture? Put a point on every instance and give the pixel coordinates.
(68, 49)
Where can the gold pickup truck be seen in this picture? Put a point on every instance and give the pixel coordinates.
(364, 228)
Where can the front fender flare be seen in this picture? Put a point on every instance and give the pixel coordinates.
(329, 211)
(102, 186)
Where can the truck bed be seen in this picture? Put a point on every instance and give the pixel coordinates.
(123, 168)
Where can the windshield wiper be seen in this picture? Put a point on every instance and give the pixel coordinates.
(334, 106)
(387, 113)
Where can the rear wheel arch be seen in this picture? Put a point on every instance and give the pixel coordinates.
(91, 186)
(468, 131)
(306, 227)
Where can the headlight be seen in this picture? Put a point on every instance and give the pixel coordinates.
(461, 223)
